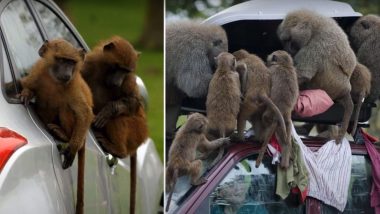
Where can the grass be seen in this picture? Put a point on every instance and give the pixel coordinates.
(98, 20)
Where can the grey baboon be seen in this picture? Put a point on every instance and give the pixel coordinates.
(190, 51)
(361, 87)
(256, 92)
(284, 94)
(182, 154)
(322, 56)
(223, 98)
(364, 37)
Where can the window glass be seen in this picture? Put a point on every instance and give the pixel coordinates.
(247, 189)
(22, 35)
(360, 188)
(54, 26)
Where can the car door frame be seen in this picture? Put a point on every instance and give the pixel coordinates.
(234, 155)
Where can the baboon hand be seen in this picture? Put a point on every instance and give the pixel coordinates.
(226, 141)
(134, 104)
(200, 181)
(68, 156)
(25, 96)
(102, 118)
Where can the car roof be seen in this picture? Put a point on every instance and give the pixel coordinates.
(277, 9)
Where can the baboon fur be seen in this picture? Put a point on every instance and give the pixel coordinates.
(361, 87)
(322, 56)
(223, 98)
(190, 51)
(284, 94)
(182, 154)
(63, 102)
(364, 35)
(256, 81)
(120, 122)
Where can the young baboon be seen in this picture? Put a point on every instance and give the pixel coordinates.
(190, 51)
(284, 94)
(223, 98)
(364, 36)
(256, 92)
(120, 122)
(182, 154)
(322, 56)
(361, 87)
(63, 101)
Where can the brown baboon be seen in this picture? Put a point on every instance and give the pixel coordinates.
(190, 51)
(256, 90)
(364, 36)
(182, 154)
(322, 56)
(284, 94)
(223, 98)
(63, 101)
(361, 87)
(120, 122)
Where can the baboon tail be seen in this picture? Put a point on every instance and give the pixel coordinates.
(133, 183)
(280, 118)
(174, 177)
(80, 181)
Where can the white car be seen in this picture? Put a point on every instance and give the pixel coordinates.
(32, 179)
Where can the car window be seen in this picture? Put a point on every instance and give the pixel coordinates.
(247, 189)
(54, 26)
(22, 35)
(360, 188)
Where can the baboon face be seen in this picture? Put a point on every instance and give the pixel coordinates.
(121, 59)
(294, 33)
(217, 46)
(62, 59)
(116, 75)
(63, 69)
(226, 60)
(363, 28)
(279, 57)
(197, 123)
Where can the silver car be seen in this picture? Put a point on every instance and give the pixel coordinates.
(32, 179)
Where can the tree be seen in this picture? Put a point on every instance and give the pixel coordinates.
(152, 36)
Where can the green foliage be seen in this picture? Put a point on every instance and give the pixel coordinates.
(98, 20)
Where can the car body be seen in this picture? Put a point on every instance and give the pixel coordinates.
(252, 26)
(259, 196)
(32, 179)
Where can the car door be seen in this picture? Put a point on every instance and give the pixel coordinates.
(22, 45)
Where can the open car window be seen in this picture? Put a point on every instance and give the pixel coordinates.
(247, 189)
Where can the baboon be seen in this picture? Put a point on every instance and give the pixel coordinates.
(322, 56)
(223, 98)
(190, 51)
(120, 121)
(63, 101)
(182, 154)
(284, 94)
(361, 87)
(256, 92)
(364, 36)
